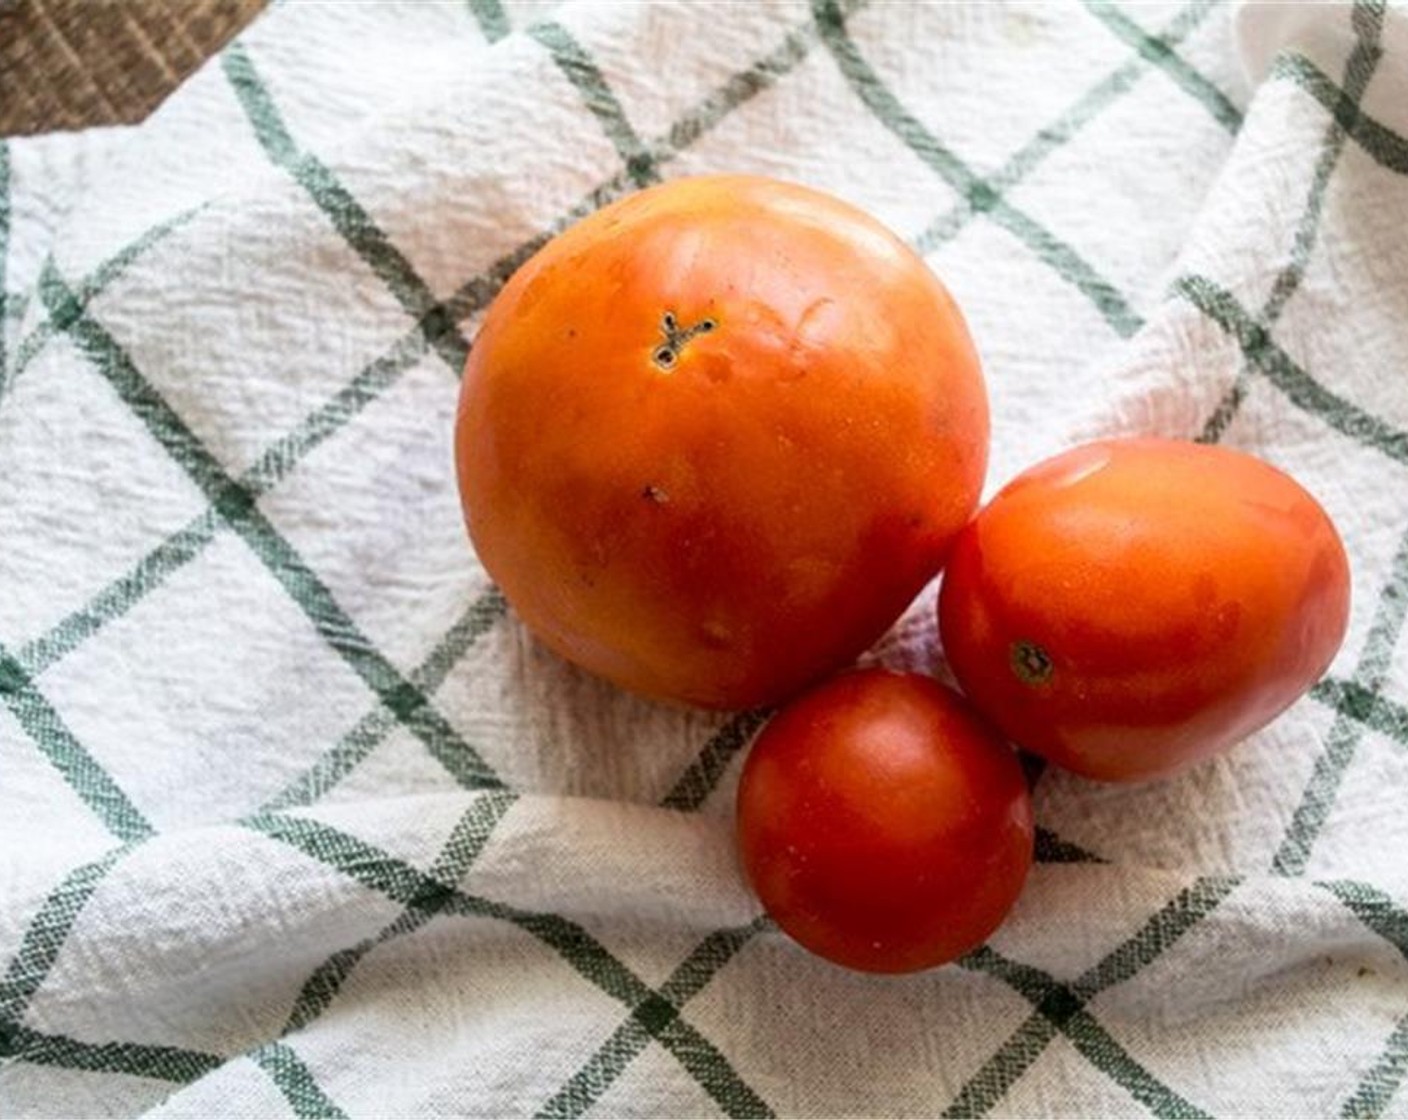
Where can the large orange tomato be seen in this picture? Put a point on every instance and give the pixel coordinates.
(714, 438)
(1131, 606)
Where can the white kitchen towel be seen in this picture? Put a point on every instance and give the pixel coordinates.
(295, 819)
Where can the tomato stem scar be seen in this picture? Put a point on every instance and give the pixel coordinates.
(1030, 662)
(667, 353)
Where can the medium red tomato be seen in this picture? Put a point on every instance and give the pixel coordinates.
(713, 439)
(1132, 606)
(883, 825)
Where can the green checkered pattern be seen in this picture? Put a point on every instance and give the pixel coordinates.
(298, 820)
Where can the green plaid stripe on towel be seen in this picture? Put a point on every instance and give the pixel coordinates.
(294, 817)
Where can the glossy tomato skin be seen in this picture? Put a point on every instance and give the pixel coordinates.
(713, 439)
(1132, 606)
(882, 824)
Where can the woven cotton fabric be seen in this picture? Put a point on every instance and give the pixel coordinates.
(296, 819)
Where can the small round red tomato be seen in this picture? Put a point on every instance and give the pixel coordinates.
(1131, 606)
(713, 439)
(882, 824)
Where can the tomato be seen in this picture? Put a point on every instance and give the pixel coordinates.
(1132, 606)
(713, 439)
(883, 825)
